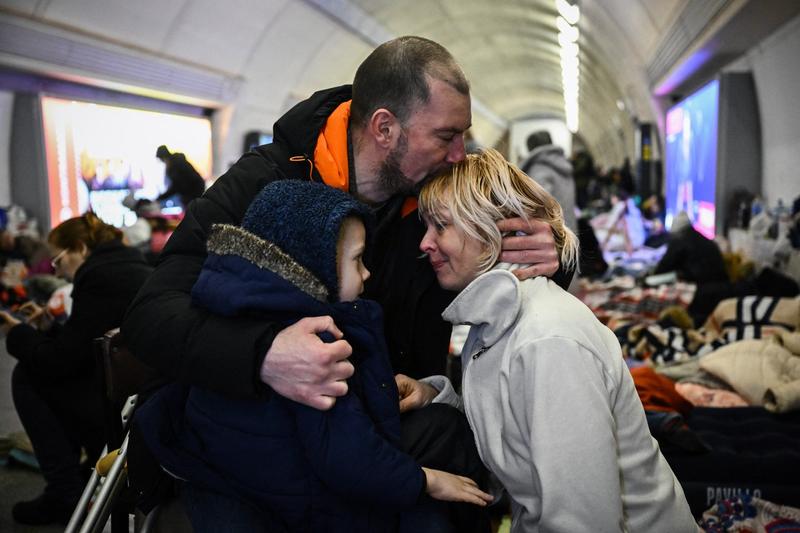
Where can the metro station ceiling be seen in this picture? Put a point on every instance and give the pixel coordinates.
(267, 54)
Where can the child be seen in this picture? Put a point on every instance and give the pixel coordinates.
(298, 254)
(553, 407)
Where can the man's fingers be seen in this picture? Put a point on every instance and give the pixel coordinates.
(320, 324)
(333, 389)
(341, 370)
(323, 403)
(517, 224)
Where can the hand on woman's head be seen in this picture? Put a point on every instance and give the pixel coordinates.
(532, 243)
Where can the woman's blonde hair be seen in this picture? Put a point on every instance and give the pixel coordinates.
(485, 188)
(87, 229)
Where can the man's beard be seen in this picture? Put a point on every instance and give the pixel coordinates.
(390, 177)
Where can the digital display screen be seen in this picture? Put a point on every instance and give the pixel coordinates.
(99, 154)
(691, 159)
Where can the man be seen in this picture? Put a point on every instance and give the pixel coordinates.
(547, 164)
(184, 180)
(410, 109)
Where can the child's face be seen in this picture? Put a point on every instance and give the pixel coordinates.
(349, 265)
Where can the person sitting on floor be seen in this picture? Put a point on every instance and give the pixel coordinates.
(53, 384)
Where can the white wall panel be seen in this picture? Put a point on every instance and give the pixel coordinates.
(777, 79)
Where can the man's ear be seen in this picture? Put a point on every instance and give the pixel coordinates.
(384, 128)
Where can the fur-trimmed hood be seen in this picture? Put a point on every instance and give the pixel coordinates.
(226, 239)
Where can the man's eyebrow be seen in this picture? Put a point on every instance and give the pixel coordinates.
(452, 129)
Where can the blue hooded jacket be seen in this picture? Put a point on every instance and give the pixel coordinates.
(339, 470)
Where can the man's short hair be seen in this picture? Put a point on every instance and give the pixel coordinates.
(394, 77)
(162, 152)
(538, 138)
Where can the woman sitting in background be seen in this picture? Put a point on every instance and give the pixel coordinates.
(53, 384)
(553, 407)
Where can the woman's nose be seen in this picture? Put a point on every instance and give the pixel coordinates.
(426, 245)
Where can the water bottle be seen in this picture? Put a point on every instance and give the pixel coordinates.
(755, 206)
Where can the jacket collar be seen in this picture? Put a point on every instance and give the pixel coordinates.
(297, 132)
(490, 304)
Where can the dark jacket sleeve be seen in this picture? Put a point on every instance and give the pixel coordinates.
(351, 458)
(187, 343)
(52, 356)
(171, 190)
(65, 352)
(674, 256)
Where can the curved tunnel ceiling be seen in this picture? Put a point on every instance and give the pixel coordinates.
(267, 54)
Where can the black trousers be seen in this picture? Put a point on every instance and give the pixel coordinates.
(439, 437)
(59, 419)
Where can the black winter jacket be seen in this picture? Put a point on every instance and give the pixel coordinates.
(225, 354)
(104, 286)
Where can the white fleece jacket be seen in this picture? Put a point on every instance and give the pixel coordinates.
(555, 413)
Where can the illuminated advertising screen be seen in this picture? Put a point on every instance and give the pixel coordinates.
(691, 159)
(99, 154)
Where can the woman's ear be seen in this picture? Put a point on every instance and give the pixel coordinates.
(384, 128)
(84, 250)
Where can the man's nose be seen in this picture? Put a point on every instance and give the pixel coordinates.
(457, 150)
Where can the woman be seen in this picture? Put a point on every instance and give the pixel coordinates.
(53, 384)
(552, 405)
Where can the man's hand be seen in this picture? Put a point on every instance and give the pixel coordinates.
(303, 368)
(452, 488)
(413, 394)
(536, 248)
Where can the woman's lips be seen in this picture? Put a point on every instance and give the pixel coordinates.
(437, 265)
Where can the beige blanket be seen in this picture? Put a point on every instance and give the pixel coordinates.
(764, 372)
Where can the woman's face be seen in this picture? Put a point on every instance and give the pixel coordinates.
(66, 262)
(453, 254)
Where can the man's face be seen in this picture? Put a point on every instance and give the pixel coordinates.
(430, 142)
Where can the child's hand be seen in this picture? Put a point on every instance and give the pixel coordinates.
(413, 394)
(452, 488)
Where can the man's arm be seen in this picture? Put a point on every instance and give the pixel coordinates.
(225, 354)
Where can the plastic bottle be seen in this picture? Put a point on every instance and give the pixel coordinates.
(755, 206)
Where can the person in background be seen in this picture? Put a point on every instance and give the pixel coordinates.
(184, 180)
(53, 383)
(32, 251)
(547, 164)
(298, 253)
(691, 255)
(552, 404)
(402, 121)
